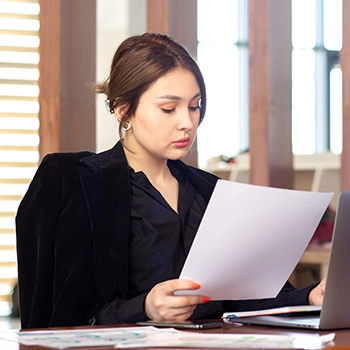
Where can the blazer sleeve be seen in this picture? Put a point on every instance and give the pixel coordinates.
(288, 296)
(35, 225)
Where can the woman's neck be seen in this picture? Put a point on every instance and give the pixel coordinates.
(154, 168)
(158, 173)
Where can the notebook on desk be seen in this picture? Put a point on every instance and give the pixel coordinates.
(335, 311)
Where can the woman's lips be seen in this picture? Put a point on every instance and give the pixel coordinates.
(184, 142)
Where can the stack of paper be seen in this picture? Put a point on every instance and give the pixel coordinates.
(136, 337)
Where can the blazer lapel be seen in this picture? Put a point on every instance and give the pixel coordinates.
(108, 198)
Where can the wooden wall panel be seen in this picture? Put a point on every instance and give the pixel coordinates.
(270, 47)
(67, 67)
(49, 80)
(158, 16)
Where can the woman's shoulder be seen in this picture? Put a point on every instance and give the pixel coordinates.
(63, 160)
(78, 163)
(66, 156)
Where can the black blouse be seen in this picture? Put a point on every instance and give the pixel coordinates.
(160, 238)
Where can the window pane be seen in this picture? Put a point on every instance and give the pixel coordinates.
(19, 7)
(19, 57)
(19, 123)
(17, 173)
(303, 101)
(22, 107)
(19, 40)
(17, 156)
(19, 90)
(217, 21)
(19, 140)
(19, 73)
(218, 134)
(13, 190)
(223, 58)
(14, 24)
(303, 23)
(336, 111)
(332, 12)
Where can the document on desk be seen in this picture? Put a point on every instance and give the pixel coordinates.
(250, 239)
(149, 337)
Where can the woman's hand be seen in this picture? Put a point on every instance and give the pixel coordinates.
(316, 295)
(162, 305)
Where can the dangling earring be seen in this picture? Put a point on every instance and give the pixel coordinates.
(126, 126)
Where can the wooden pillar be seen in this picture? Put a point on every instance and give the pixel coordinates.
(345, 66)
(67, 67)
(158, 16)
(270, 49)
(177, 18)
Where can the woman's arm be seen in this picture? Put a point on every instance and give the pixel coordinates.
(288, 296)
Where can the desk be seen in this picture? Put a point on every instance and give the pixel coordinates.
(341, 341)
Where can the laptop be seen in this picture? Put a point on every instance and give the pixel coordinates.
(335, 311)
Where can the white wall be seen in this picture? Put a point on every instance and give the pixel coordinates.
(116, 20)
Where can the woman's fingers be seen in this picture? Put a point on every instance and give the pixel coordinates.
(162, 304)
(172, 285)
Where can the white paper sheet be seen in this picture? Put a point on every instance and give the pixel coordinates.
(250, 239)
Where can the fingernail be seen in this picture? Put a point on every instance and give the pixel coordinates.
(205, 299)
(196, 286)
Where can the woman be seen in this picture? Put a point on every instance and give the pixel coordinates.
(102, 238)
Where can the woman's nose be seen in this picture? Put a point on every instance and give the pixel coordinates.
(186, 121)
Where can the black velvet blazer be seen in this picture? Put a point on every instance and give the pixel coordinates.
(72, 236)
(72, 241)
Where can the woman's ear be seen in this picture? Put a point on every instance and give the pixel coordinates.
(120, 111)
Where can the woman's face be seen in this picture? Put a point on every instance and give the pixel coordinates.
(165, 123)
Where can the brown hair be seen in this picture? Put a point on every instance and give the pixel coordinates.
(138, 62)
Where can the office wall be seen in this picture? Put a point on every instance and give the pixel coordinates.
(116, 20)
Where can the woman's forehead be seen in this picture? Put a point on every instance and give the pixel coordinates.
(175, 85)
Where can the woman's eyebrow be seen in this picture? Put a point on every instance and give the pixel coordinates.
(174, 97)
(169, 97)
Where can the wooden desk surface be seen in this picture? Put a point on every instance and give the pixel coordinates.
(341, 341)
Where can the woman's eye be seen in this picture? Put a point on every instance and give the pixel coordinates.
(193, 109)
(168, 111)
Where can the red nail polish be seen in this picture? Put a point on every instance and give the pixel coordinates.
(205, 299)
(196, 286)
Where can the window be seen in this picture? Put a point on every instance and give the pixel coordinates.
(223, 59)
(19, 125)
(316, 77)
